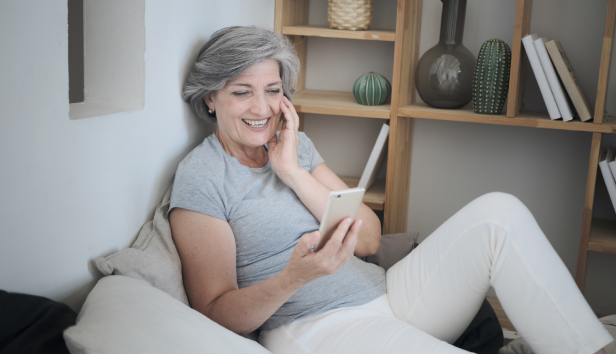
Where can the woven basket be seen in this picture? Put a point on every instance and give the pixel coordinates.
(349, 14)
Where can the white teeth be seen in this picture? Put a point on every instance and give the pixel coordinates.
(255, 123)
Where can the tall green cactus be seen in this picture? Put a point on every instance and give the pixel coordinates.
(491, 77)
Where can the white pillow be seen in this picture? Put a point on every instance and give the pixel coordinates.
(126, 315)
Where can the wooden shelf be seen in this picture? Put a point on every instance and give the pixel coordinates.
(316, 31)
(374, 197)
(525, 119)
(602, 236)
(611, 122)
(337, 103)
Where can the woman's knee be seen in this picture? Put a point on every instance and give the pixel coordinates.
(501, 205)
(500, 201)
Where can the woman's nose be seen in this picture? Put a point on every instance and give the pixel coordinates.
(261, 106)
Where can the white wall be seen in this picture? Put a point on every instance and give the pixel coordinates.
(73, 190)
(453, 163)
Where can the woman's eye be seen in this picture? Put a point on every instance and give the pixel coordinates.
(274, 91)
(240, 93)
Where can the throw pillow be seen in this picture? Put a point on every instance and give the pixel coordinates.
(393, 248)
(152, 257)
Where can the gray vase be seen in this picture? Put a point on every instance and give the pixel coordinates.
(444, 74)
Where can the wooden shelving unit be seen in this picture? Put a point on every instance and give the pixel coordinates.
(292, 20)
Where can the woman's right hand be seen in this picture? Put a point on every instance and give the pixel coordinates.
(304, 265)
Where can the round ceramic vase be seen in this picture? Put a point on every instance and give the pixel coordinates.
(371, 89)
(491, 78)
(444, 74)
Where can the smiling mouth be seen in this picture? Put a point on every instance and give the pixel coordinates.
(256, 123)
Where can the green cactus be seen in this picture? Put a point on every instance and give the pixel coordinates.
(371, 89)
(491, 77)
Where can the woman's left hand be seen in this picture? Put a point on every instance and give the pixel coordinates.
(282, 150)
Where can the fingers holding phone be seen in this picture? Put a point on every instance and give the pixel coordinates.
(305, 265)
(341, 245)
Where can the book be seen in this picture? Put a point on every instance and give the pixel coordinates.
(605, 156)
(555, 85)
(542, 80)
(570, 81)
(376, 159)
(611, 162)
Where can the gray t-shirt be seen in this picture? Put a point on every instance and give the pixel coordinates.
(268, 219)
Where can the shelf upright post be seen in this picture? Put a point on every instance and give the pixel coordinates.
(406, 55)
(591, 180)
(604, 70)
(518, 65)
(606, 58)
(294, 13)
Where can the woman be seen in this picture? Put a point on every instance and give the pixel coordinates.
(246, 204)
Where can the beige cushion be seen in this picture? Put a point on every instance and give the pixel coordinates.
(152, 257)
(125, 315)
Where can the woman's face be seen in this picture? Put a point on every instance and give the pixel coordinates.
(248, 107)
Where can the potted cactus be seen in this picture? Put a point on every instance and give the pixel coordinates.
(491, 77)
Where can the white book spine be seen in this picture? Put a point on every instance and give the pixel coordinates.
(377, 156)
(610, 183)
(555, 85)
(612, 165)
(544, 87)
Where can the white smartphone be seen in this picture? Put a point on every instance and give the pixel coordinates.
(340, 205)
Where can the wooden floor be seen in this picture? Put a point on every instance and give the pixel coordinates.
(500, 313)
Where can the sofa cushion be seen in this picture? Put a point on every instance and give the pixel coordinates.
(126, 315)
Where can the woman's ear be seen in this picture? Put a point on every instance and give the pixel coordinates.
(210, 103)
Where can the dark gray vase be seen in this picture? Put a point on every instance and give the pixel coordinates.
(444, 74)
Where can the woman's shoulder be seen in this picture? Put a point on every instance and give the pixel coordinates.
(203, 159)
(304, 142)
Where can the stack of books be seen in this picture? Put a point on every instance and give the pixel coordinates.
(559, 86)
(608, 170)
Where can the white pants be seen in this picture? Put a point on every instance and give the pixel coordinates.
(435, 292)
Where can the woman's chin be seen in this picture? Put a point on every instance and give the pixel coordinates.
(258, 139)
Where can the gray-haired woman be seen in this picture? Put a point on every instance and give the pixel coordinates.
(246, 204)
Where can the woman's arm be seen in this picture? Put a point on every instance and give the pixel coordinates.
(206, 246)
(314, 188)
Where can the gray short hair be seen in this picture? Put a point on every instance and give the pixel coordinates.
(228, 53)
